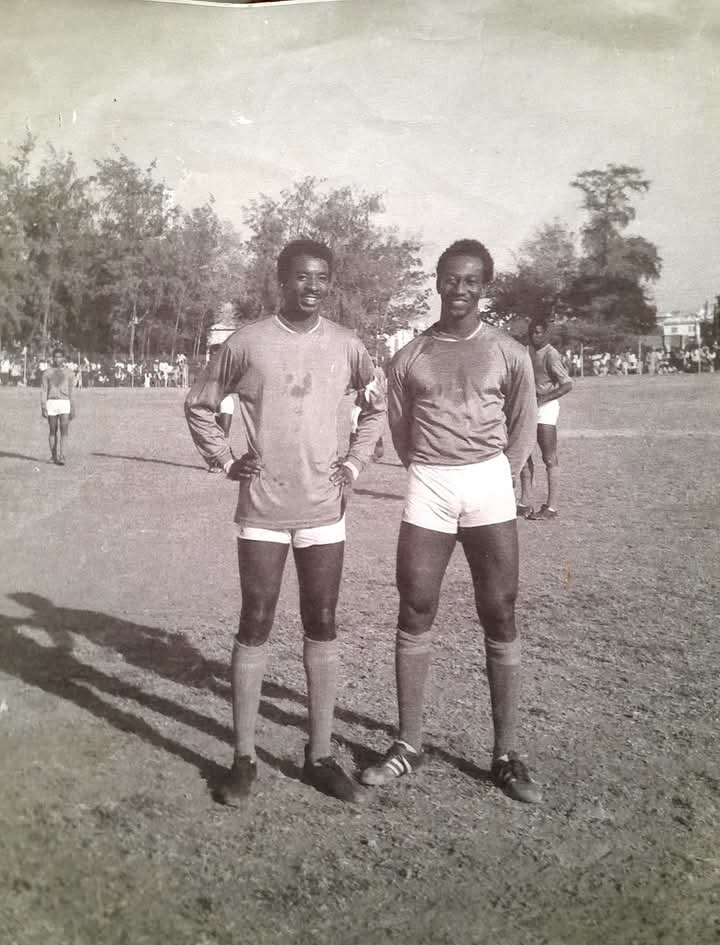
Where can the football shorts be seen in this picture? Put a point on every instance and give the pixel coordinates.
(297, 537)
(58, 407)
(549, 412)
(446, 498)
(227, 405)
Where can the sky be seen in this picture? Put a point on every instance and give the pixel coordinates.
(471, 118)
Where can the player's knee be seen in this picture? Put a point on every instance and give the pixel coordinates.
(497, 615)
(550, 459)
(319, 622)
(417, 613)
(256, 619)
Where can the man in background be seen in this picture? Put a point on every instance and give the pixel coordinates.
(57, 404)
(551, 383)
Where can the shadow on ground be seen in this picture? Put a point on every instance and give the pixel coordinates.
(147, 459)
(58, 671)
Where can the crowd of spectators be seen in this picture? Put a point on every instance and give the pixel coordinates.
(19, 369)
(694, 359)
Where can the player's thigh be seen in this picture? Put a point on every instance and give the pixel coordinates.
(493, 557)
(261, 565)
(53, 425)
(422, 559)
(547, 441)
(64, 419)
(319, 571)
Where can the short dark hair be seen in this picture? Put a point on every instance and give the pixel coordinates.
(537, 321)
(302, 248)
(58, 350)
(469, 248)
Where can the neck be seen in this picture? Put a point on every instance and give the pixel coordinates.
(459, 327)
(299, 321)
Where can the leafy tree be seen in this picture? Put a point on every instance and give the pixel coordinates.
(136, 215)
(547, 265)
(205, 273)
(616, 270)
(378, 282)
(45, 226)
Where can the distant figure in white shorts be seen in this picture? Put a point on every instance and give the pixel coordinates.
(552, 382)
(57, 404)
(461, 402)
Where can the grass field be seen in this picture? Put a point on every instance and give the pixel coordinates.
(118, 607)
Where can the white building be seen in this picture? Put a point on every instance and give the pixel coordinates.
(681, 328)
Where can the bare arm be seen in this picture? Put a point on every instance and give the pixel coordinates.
(556, 392)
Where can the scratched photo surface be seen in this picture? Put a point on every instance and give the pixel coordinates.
(153, 157)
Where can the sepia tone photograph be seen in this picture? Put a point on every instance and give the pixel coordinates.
(359, 472)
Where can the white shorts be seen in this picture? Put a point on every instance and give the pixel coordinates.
(227, 405)
(57, 407)
(297, 537)
(445, 498)
(549, 412)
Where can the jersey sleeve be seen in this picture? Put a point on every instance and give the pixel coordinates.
(399, 409)
(520, 410)
(373, 407)
(219, 379)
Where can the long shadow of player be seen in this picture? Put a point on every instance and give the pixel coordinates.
(31, 459)
(147, 459)
(170, 656)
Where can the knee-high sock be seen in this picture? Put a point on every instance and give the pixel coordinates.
(412, 662)
(503, 671)
(246, 673)
(320, 658)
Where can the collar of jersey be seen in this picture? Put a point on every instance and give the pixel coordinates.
(441, 336)
(292, 331)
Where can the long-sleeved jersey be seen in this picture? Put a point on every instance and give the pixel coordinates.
(290, 385)
(454, 401)
(56, 384)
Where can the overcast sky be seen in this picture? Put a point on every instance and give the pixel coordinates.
(471, 117)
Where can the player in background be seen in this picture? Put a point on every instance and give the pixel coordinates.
(290, 371)
(223, 417)
(552, 382)
(462, 418)
(57, 404)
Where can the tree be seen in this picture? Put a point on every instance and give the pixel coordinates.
(45, 228)
(547, 265)
(205, 272)
(137, 213)
(613, 281)
(378, 282)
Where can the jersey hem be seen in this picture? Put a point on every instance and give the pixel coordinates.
(443, 461)
(282, 526)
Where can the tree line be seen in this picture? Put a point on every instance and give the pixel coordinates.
(110, 264)
(596, 284)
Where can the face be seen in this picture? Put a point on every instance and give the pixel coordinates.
(58, 358)
(537, 336)
(306, 285)
(460, 285)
